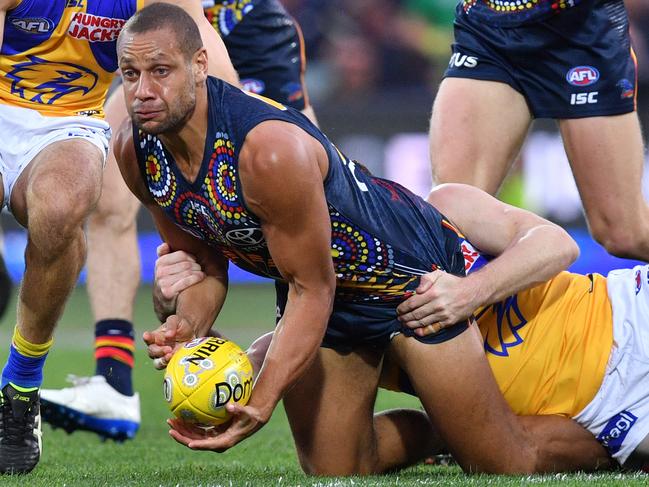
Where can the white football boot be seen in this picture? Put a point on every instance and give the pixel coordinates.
(91, 404)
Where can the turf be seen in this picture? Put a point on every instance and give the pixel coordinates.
(154, 459)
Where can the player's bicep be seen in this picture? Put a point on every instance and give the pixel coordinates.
(283, 186)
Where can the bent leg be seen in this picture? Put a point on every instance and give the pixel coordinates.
(460, 395)
(606, 156)
(330, 411)
(331, 414)
(113, 254)
(476, 132)
(53, 198)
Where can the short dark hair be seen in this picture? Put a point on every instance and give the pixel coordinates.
(161, 15)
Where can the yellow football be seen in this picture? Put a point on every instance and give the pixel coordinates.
(203, 376)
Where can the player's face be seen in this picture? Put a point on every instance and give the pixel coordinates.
(159, 83)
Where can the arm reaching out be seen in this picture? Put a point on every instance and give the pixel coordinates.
(528, 250)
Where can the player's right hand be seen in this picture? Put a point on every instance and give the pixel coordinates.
(175, 272)
(164, 340)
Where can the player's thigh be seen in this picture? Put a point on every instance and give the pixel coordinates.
(116, 198)
(62, 180)
(606, 156)
(476, 132)
(456, 387)
(330, 411)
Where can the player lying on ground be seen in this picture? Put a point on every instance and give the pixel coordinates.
(560, 348)
(229, 176)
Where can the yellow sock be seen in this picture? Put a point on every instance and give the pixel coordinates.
(28, 349)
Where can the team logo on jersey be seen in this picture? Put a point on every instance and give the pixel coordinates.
(41, 81)
(35, 25)
(253, 85)
(582, 76)
(638, 281)
(613, 435)
(509, 321)
(626, 88)
(94, 28)
(245, 237)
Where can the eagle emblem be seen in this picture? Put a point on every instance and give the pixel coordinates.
(42, 81)
(509, 320)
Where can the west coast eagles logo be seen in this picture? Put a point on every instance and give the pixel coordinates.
(41, 81)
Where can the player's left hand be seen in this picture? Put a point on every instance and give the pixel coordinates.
(441, 300)
(246, 420)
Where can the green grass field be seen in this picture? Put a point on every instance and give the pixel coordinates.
(154, 459)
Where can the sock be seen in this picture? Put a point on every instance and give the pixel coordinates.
(24, 367)
(114, 349)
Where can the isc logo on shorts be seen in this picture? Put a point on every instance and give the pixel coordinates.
(582, 76)
(615, 431)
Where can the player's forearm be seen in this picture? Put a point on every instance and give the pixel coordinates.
(201, 303)
(294, 346)
(534, 256)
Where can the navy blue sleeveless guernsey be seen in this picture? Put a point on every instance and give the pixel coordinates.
(383, 237)
(514, 13)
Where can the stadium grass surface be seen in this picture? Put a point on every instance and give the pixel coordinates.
(154, 459)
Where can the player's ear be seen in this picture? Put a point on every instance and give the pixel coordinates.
(200, 64)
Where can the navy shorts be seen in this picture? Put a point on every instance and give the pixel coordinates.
(356, 325)
(266, 48)
(576, 64)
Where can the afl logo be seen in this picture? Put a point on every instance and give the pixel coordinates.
(245, 236)
(37, 25)
(582, 76)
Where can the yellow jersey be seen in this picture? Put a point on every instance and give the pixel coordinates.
(59, 56)
(548, 347)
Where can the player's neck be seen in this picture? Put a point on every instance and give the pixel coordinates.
(187, 144)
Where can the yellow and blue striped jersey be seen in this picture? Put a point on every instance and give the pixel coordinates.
(58, 56)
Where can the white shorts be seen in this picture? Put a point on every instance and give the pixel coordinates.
(26, 132)
(618, 416)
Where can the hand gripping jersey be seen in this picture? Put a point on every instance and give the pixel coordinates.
(58, 56)
(383, 236)
(511, 13)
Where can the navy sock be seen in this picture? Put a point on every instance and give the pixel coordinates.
(114, 349)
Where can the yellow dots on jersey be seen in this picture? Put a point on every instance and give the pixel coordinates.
(237, 216)
(335, 253)
(228, 214)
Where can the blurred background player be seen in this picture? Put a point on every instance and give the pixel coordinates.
(567, 60)
(57, 62)
(267, 50)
